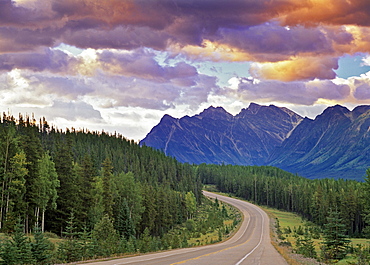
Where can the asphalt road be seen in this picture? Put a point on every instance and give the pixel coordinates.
(250, 245)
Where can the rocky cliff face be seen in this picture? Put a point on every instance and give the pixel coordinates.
(215, 136)
(334, 144)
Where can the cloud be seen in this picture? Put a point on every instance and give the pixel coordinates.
(49, 60)
(362, 91)
(119, 79)
(128, 24)
(351, 12)
(297, 92)
(120, 37)
(73, 111)
(304, 68)
(116, 91)
(141, 63)
(273, 42)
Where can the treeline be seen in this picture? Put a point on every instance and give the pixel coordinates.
(312, 199)
(48, 176)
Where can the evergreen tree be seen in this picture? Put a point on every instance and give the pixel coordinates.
(367, 203)
(87, 245)
(31, 145)
(105, 237)
(123, 222)
(191, 204)
(107, 176)
(69, 199)
(41, 248)
(150, 205)
(70, 249)
(145, 240)
(128, 188)
(305, 246)
(335, 244)
(87, 172)
(17, 250)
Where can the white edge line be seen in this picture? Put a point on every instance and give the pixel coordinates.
(259, 243)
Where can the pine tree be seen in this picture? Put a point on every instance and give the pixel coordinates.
(41, 247)
(87, 173)
(87, 245)
(131, 190)
(191, 204)
(335, 244)
(105, 237)
(367, 203)
(144, 242)
(107, 176)
(305, 246)
(17, 250)
(123, 222)
(69, 199)
(70, 249)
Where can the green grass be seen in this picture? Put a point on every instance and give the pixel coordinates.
(287, 219)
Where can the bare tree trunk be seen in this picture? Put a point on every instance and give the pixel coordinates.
(37, 214)
(4, 181)
(43, 220)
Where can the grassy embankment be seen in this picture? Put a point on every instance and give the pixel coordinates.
(293, 221)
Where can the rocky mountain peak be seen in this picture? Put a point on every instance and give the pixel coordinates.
(254, 108)
(215, 113)
(337, 109)
(359, 110)
(334, 144)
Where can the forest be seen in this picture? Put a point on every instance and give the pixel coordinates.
(338, 209)
(106, 195)
(75, 181)
(312, 199)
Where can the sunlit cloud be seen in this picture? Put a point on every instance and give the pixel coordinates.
(101, 63)
(298, 68)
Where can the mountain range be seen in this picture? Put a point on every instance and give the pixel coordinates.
(335, 144)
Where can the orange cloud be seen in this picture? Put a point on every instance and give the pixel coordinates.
(332, 12)
(212, 51)
(305, 68)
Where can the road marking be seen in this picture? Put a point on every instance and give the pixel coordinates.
(240, 261)
(259, 243)
(208, 254)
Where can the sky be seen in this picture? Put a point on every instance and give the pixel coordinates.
(120, 65)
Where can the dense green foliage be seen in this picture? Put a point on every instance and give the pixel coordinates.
(311, 199)
(336, 243)
(77, 182)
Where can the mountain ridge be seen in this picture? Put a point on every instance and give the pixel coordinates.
(329, 145)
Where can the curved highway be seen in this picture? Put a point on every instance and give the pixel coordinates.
(250, 245)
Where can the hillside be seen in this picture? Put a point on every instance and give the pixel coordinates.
(216, 137)
(334, 144)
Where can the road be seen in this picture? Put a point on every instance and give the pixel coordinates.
(250, 245)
